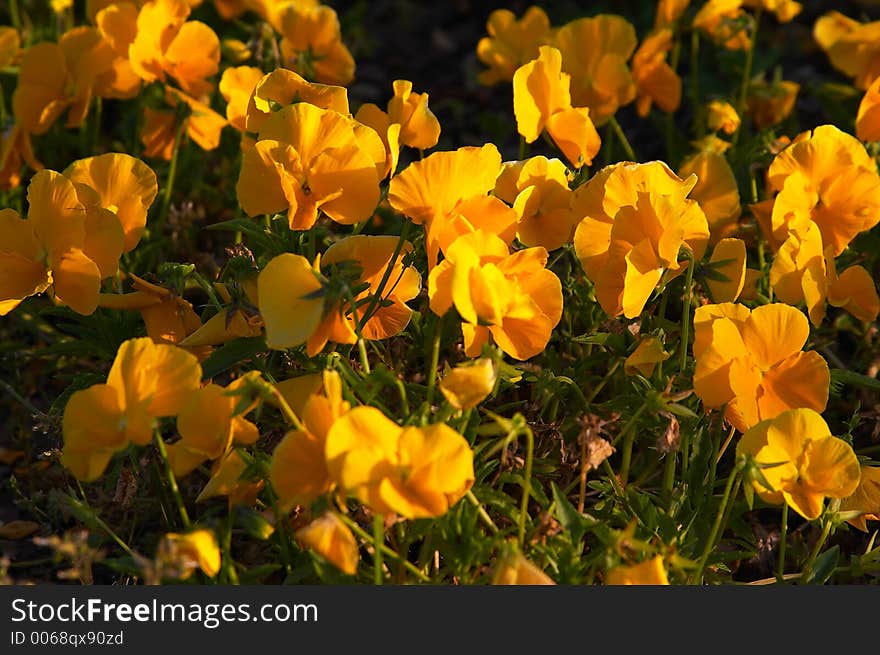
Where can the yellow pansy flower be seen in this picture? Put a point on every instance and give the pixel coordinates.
(411, 471)
(466, 386)
(805, 462)
(147, 381)
(538, 190)
(716, 191)
(752, 362)
(189, 551)
(595, 52)
(309, 159)
(655, 79)
(330, 538)
(649, 572)
(312, 44)
(511, 42)
(511, 298)
(645, 357)
(634, 219)
(541, 101)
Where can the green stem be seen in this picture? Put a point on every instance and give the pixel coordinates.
(172, 481)
(628, 436)
(627, 148)
(826, 530)
(378, 542)
(780, 572)
(14, 15)
(699, 123)
(434, 362)
(358, 329)
(669, 474)
(686, 311)
(96, 126)
(287, 410)
(106, 528)
(747, 74)
(481, 511)
(284, 543)
(527, 484)
(523, 148)
(377, 294)
(603, 382)
(389, 552)
(734, 477)
(228, 562)
(172, 173)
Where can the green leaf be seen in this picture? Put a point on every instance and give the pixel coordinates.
(597, 338)
(575, 523)
(824, 566)
(231, 353)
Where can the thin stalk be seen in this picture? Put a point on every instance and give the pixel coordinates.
(523, 148)
(358, 329)
(378, 541)
(284, 542)
(780, 571)
(747, 74)
(686, 311)
(627, 148)
(172, 481)
(628, 436)
(527, 484)
(377, 294)
(106, 528)
(172, 173)
(826, 530)
(481, 511)
(96, 125)
(434, 362)
(669, 474)
(287, 410)
(228, 562)
(602, 383)
(716, 526)
(388, 552)
(699, 127)
(14, 15)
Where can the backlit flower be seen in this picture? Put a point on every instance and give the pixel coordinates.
(655, 79)
(309, 159)
(824, 176)
(189, 551)
(227, 480)
(722, 116)
(668, 12)
(284, 87)
(10, 45)
(407, 122)
(634, 219)
(716, 191)
(515, 569)
(416, 472)
(236, 86)
(330, 538)
(298, 470)
(725, 22)
(511, 297)
(16, 149)
(868, 119)
(541, 101)
(209, 425)
(645, 357)
(538, 190)
(770, 104)
(447, 193)
(125, 185)
(784, 10)
(167, 44)
(805, 462)
(312, 44)
(865, 499)
(511, 42)
(594, 52)
(649, 572)
(147, 381)
(852, 47)
(728, 270)
(752, 362)
(203, 125)
(295, 310)
(467, 385)
(65, 243)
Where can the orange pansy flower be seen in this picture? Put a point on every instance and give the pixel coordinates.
(655, 79)
(752, 362)
(542, 101)
(511, 42)
(511, 298)
(312, 44)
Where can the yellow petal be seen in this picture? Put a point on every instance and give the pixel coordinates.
(649, 572)
(329, 537)
(774, 332)
(465, 387)
(729, 256)
(289, 305)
